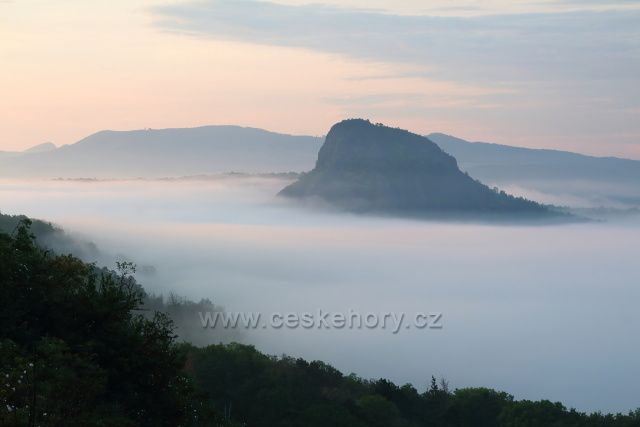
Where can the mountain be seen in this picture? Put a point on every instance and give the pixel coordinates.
(367, 167)
(41, 148)
(165, 152)
(558, 176)
(555, 177)
(6, 154)
(495, 162)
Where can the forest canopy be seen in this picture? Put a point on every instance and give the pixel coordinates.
(78, 348)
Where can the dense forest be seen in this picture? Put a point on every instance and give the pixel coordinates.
(50, 236)
(79, 348)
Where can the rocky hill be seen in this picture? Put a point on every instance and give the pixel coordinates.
(366, 167)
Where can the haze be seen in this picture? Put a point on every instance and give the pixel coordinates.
(540, 311)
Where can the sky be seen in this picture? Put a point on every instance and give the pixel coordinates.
(561, 74)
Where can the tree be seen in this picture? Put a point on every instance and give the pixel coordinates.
(74, 348)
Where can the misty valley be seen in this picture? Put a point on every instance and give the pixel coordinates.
(533, 305)
(319, 213)
(385, 286)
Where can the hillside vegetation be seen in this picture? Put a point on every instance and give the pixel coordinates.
(77, 349)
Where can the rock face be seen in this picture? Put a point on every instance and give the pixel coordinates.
(365, 167)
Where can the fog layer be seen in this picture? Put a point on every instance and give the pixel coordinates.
(538, 311)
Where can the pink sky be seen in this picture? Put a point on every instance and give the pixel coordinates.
(71, 68)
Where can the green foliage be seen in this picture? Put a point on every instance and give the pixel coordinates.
(73, 348)
(77, 349)
(49, 236)
(186, 320)
(10, 223)
(480, 407)
(258, 390)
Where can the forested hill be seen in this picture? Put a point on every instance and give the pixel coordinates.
(76, 350)
(50, 236)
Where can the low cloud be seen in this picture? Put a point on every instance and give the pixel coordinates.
(505, 292)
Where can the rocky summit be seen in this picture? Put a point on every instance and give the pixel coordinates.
(366, 167)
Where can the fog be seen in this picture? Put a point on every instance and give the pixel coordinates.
(538, 311)
(577, 193)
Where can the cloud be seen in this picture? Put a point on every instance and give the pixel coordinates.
(568, 76)
(578, 45)
(610, 4)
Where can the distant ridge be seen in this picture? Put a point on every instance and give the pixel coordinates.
(504, 163)
(367, 167)
(41, 148)
(557, 176)
(169, 152)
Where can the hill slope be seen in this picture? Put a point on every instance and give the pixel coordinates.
(213, 149)
(560, 177)
(373, 168)
(164, 152)
(495, 162)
